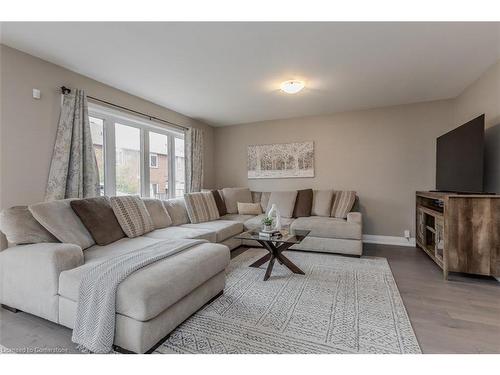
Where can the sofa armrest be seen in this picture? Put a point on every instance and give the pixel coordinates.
(354, 217)
(30, 276)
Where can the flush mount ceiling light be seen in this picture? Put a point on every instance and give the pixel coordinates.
(292, 86)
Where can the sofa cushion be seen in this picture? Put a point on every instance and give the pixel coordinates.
(303, 203)
(179, 232)
(322, 202)
(343, 203)
(328, 227)
(59, 219)
(256, 222)
(20, 227)
(237, 217)
(176, 208)
(223, 229)
(99, 219)
(234, 195)
(219, 201)
(249, 208)
(201, 207)
(284, 200)
(158, 213)
(122, 246)
(132, 215)
(152, 289)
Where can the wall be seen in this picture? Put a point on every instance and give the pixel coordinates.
(28, 126)
(483, 96)
(384, 154)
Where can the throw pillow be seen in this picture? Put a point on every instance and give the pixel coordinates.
(343, 203)
(132, 215)
(20, 227)
(249, 208)
(221, 206)
(284, 200)
(159, 215)
(176, 208)
(59, 219)
(303, 203)
(201, 207)
(322, 202)
(98, 217)
(234, 195)
(264, 200)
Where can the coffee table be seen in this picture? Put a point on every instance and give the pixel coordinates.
(276, 245)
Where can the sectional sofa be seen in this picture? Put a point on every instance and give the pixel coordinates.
(41, 272)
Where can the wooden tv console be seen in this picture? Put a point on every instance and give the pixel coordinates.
(460, 232)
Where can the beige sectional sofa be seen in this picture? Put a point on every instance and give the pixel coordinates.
(43, 278)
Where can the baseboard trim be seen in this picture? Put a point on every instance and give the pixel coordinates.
(388, 240)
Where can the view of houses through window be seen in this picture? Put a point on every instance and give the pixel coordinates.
(139, 167)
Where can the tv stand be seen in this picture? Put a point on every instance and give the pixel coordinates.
(460, 232)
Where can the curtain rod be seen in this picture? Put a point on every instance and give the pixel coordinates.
(66, 90)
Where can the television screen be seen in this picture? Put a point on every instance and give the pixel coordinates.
(460, 158)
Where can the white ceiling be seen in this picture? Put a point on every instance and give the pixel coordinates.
(229, 73)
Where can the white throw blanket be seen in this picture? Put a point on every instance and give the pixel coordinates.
(94, 329)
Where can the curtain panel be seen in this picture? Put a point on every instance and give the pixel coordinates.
(194, 160)
(73, 170)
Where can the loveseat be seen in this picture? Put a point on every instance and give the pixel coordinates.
(41, 271)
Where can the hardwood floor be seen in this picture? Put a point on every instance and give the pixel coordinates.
(461, 315)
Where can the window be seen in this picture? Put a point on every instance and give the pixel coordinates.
(97, 133)
(179, 167)
(133, 155)
(158, 175)
(128, 160)
(153, 161)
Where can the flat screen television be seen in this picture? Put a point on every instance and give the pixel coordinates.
(460, 158)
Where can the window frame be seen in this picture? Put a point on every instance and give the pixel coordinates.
(110, 117)
(155, 155)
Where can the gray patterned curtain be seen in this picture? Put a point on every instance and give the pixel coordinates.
(194, 160)
(73, 170)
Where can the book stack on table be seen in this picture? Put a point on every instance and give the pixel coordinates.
(269, 234)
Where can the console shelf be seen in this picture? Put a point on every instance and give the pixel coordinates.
(460, 232)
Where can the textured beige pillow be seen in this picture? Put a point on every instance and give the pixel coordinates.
(284, 200)
(132, 214)
(59, 219)
(322, 202)
(176, 208)
(20, 227)
(343, 203)
(201, 207)
(159, 215)
(249, 208)
(234, 195)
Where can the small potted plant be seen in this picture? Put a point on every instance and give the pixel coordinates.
(267, 222)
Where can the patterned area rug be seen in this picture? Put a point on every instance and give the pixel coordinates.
(341, 305)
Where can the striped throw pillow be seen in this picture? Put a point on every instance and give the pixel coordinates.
(132, 214)
(201, 207)
(343, 203)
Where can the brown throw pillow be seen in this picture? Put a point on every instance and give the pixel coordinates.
(221, 206)
(303, 203)
(98, 217)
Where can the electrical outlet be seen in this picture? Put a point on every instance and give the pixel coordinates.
(36, 94)
(407, 234)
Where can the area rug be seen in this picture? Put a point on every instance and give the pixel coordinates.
(340, 305)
